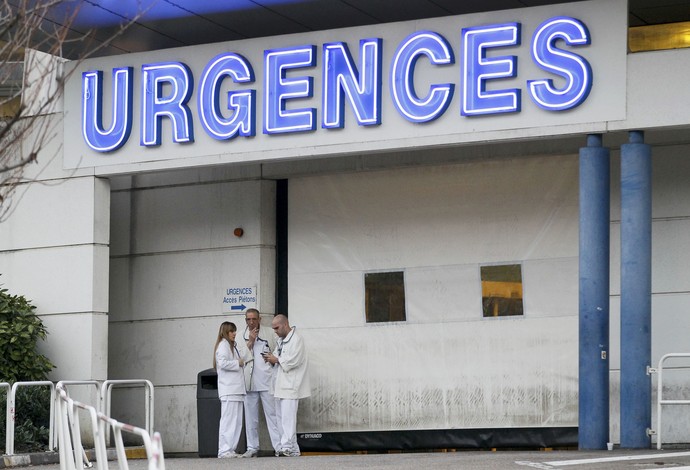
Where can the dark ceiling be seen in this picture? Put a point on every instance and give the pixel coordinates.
(160, 24)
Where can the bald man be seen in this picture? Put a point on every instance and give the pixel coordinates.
(291, 381)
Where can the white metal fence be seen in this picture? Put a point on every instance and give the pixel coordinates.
(65, 420)
(660, 401)
(70, 444)
(11, 408)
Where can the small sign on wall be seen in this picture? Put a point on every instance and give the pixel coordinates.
(239, 299)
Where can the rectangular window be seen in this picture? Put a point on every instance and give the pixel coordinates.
(384, 296)
(502, 290)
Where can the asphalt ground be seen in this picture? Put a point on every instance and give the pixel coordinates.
(616, 459)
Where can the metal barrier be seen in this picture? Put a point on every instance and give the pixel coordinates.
(63, 384)
(659, 398)
(106, 395)
(103, 406)
(71, 450)
(11, 407)
(7, 410)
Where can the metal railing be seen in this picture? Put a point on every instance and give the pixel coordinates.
(659, 398)
(7, 410)
(106, 396)
(70, 444)
(102, 406)
(11, 408)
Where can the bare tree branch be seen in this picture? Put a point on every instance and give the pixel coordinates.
(31, 83)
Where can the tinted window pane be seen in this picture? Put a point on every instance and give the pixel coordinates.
(385, 296)
(501, 290)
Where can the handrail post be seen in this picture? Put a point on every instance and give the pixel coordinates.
(100, 422)
(11, 411)
(9, 446)
(106, 402)
(7, 414)
(659, 396)
(659, 391)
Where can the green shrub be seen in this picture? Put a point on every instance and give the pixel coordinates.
(20, 331)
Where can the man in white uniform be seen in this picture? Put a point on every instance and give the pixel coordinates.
(258, 377)
(291, 381)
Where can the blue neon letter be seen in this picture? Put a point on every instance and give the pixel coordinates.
(341, 77)
(156, 104)
(99, 139)
(278, 89)
(478, 69)
(241, 103)
(574, 69)
(405, 99)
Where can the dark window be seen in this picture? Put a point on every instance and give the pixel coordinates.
(385, 296)
(501, 290)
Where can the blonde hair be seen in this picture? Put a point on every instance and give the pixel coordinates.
(224, 334)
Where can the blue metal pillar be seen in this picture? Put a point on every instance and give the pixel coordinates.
(595, 177)
(636, 292)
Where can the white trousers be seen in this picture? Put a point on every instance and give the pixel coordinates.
(251, 418)
(230, 426)
(286, 410)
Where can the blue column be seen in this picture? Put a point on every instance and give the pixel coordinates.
(636, 291)
(595, 177)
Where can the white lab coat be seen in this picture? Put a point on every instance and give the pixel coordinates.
(230, 374)
(292, 374)
(255, 364)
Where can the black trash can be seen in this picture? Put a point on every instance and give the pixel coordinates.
(207, 412)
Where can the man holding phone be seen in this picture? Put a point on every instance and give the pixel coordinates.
(258, 377)
(291, 382)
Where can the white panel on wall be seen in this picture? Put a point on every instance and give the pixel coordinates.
(186, 284)
(77, 344)
(650, 104)
(670, 316)
(615, 259)
(59, 280)
(505, 373)
(550, 287)
(430, 216)
(671, 255)
(192, 217)
(439, 369)
(614, 333)
(670, 176)
(345, 294)
(187, 176)
(63, 213)
(167, 352)
(443, 294)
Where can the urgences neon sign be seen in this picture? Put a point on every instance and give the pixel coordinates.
(166, 87)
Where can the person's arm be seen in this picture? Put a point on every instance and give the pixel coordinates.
(244, 351)
(292, 355)
(252, 338)
(224, 359)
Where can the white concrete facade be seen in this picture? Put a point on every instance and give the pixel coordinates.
(127, 268)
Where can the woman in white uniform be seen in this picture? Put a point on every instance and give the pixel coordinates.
(231, 390)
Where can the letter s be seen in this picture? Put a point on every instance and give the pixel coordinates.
(573, 68)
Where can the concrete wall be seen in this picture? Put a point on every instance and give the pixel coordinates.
(54, 251)
(173, 253)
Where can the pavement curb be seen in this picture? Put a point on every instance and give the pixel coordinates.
(46, 458)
